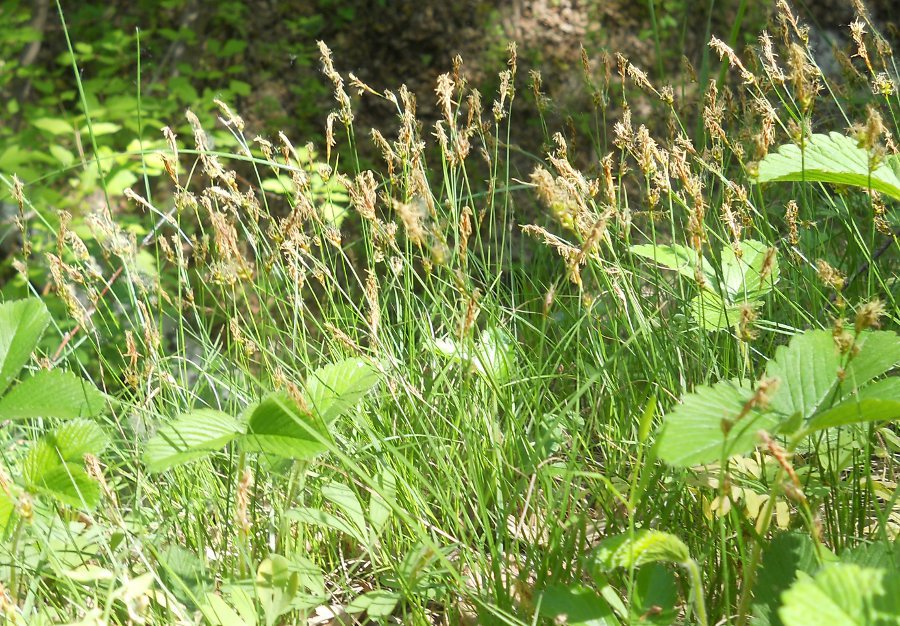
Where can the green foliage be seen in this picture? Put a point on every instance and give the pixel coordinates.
(53, 465)
(834, 159)
(744, 279)
(844, 595)
(275, 425)
(191, 436)
(811, 377)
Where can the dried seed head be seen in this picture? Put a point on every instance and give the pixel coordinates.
(869, 315)
(229, 118)
(374, 310)
(364, 194)
(444, 91)
(725, 51)
(770, 63)
(746, 330)
(829, 275)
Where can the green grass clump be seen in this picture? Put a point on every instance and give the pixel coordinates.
(472, 385)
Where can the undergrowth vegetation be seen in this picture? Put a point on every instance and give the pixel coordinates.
(289, 389)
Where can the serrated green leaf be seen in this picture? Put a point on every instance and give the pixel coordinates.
(69, 484)
(680, 258)
(576, 605)
(376, 604)
(877, 402)
(335, 388)
(52, 393)
(191, 436)
(842, 594)
(276, 425)
(22, 322)
(692, 433)
(644, 546)
(831, 158)
(809, 369)
(76, 438)
(784, 557)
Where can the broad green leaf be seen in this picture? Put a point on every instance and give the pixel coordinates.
(22, 322)
(184, 573)
(644, 546)
(809, 367)
(76, 438)
(345, 500)
(100, 128)
(280, 184)
(89, 574)
(335, 388)
(52, 393)
(120, 180)
(680, 258)
(218, 613)
(742, 277)
(278, 426)
(693, 432)
(324, 519)
(276, 587)
(7, 511)
(492, 356)
(576, 605)
(842, 594)
(70, 484)
(882, 554)
(654, 595)
(52, 125)
(54, 465)
(788, 554)
(713, 313)
(191, 436)
(879, 352)
(831, 158)
(877, 402)
(379, 509)
(64, 156)
(376, 604)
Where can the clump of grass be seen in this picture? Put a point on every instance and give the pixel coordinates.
(519, 380)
